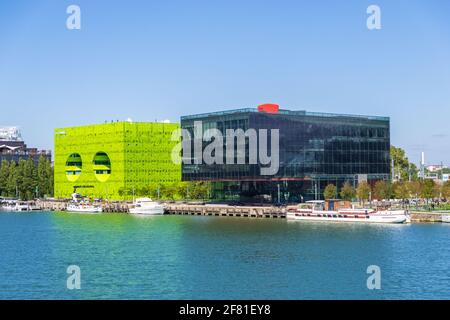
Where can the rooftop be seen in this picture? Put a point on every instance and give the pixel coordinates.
(10, 134)
(285, 112)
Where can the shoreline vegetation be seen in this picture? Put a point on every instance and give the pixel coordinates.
(26, 179)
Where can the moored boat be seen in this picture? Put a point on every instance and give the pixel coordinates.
(147, 207)
(79, 205)
(315, 211)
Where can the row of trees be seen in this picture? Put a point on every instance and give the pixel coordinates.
(176, 191)
(426, 189)
(26, 179)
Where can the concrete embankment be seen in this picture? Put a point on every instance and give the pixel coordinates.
(270, 212)
(431, 217)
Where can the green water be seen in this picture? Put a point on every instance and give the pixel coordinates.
(184, 257)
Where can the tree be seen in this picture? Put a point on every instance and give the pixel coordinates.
(415, 188)
(446, 190)
(402, 167)
(347, 191)
(400, 190)
(11, 184)
(330, 192)
(428, 189)
(363, 191)
(4, 174)
(381, 190)
(26, 179)
(44, 173)
(199, 190)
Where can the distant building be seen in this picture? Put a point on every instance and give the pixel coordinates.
(436, 167)
(112, 160)
(13, 148)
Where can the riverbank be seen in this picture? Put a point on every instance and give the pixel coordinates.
(222, 210)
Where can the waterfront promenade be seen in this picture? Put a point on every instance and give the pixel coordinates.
(258, 212)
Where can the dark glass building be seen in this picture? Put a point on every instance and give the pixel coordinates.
(315, 149)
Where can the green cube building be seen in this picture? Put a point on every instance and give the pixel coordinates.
(112, 160)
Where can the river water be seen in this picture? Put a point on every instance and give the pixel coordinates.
(185, 257)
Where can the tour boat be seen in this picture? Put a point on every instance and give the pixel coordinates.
(78, 205)
(314, 211)
(146, 206)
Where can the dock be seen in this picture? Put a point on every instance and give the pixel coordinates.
(227, 211)
(220, 210)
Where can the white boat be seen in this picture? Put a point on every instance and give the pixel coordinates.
(146, 206)
(9, 206)
(84, 208)
(22, 207)
(315, 211)
(17, 206)
(78, 205)
(446, 218)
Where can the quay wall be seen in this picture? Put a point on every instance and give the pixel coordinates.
(269, 212)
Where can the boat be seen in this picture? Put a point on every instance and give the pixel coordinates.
(446, 218)
(147, 207)
(9, 205)
(19, 206)
(22, 206)
(315, 211)
(80, 205)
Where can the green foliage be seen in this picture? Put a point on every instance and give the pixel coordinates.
(400, 190)
(402, 167)
(26, 179)
(347, 191)
(363, 191)
(415, 188)
(381, 190)
(446, 190)
(171, 191)
(330, 192)
(428, 189)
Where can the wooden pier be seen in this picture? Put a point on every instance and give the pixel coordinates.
(226, 211)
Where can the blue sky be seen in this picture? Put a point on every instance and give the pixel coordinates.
(152, 60)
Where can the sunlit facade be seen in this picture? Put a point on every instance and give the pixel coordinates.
(113, 160)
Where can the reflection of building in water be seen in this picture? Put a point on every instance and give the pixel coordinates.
(13, 148)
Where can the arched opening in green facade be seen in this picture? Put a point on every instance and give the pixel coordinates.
(102, 166)
(74, 167)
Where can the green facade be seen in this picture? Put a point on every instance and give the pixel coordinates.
(111, 160)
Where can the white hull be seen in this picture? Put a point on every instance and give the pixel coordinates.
(147, 211)
(325, 216)
(446, 218)
(20, 208)
(146, 207)
(84, 209)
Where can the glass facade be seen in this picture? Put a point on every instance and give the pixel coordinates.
(314, 149)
